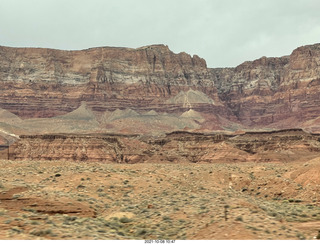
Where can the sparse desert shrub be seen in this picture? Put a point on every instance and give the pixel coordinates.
(141, 232)
(300, 236)
(255, 228)
(15, 196)
(41, 232)
(125, 220)
(276, 198)
(102, 194)
(114, 224)
(244, 189)
(30, 210)
(70, 218)
(166, 218)
(239, 218)
(273, 214)
(16, 230)
(80, 186)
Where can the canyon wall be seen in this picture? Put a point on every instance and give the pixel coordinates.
(268, 93)
(274, 92)
(39, 82)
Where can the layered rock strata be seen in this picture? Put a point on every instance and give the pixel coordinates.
(45, 82)
(175, 147)
(273, 92)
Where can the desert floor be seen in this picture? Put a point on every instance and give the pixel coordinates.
(81, 200)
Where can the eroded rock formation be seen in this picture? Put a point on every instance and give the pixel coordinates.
(268, 93)
(274, 92)
(46, 83)
(176, 147)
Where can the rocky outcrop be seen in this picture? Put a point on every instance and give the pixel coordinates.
(273, 92)
(107, 148)
(175, 147)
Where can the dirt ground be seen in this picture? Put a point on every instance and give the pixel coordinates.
(81, 200)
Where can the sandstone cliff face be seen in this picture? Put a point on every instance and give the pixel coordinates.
(45, 82)
(151, 64)
(273, 92)
(266, 93)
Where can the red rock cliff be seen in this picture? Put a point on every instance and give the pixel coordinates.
(39, 82)
(274, 92)
(265, 93)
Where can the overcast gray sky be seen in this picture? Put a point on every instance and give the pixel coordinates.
(224, 32)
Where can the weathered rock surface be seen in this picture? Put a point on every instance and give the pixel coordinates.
(46, 83)
(151, 64)
(274, 92)
(176, 147)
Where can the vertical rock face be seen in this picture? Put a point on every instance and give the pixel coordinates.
(151, 64)
(45, 82)
(273, 92)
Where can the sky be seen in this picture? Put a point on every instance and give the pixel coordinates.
(223, 32)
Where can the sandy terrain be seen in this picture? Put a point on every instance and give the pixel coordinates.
(82, 200)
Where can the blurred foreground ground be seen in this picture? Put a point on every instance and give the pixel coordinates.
(87, 200)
